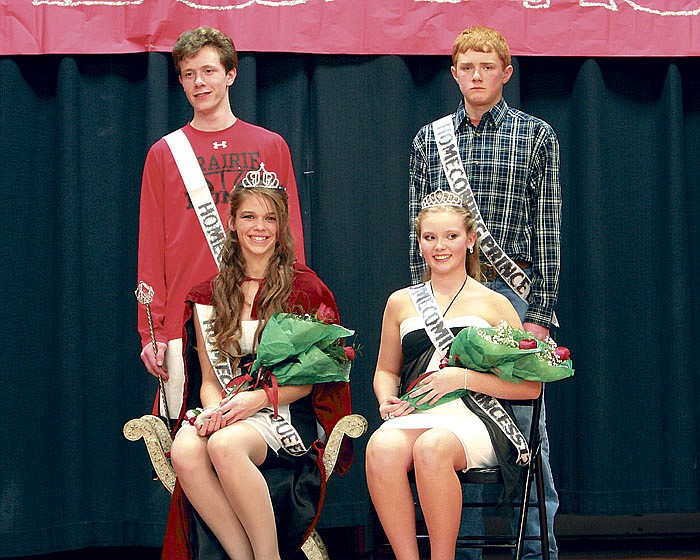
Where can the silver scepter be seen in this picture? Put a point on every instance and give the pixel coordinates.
(144, 295)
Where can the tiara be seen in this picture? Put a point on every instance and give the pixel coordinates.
(441, 198)
(261, 177)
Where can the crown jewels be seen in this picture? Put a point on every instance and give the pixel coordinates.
(441, 198)
(261, 178)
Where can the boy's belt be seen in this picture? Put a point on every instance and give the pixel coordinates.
(490, 273)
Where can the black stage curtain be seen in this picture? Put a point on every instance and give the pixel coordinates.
(625, 431)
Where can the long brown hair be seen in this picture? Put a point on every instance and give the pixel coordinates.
(276, 288)
(472, 262)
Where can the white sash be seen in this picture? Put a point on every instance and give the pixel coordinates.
(199, 192)
(512, 274)
(172, 397)
(222, 368)
(424, 302)
(441, 336)
(286, 434)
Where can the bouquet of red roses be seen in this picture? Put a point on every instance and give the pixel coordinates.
(304, 349)
(506, 351)
(295, 350)
(510, 353)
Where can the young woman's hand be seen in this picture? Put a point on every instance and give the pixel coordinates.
(392, 407)
(242, 405)
(208, 421)
(439, 383)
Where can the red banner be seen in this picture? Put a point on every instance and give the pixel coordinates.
(532, 27)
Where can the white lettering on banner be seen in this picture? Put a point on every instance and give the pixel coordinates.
(428, 309)
(646, 6)
(498, 414)
(287, 435)
(597, 27)
(198, 191)
(211, 222)
(73, 3)
(231, 5)
(222, 368)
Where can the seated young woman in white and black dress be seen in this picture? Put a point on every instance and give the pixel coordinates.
(453, 436)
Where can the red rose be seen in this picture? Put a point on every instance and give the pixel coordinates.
(562, 352)
(349, 352)
(325, 314)
(527, 344)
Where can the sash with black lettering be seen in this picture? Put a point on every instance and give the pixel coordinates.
(512, 274)
(286, 434)
(198, 190)
(441, 336)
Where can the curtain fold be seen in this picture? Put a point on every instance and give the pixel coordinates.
(625, 431)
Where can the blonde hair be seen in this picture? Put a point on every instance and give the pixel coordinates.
(274, 292)
(472, 261)
(481, 39)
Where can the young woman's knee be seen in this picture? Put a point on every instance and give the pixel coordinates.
(187, 453)
(386, 449)
(235, 444)
(434, 448)
(219, 446)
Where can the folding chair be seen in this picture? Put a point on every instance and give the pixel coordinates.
(531, 473)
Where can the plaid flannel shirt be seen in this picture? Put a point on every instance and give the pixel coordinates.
(512, 160)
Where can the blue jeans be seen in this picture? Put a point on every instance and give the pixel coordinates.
(472, 520)
(532, 549)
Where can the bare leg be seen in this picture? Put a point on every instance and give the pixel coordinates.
(204, 491)
(388, 459)
(236, 452)
(437, 455)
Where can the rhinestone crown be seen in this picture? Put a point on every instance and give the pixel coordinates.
(441, 198)
(261, 177)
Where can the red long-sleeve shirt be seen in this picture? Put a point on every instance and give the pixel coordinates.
(173, 255)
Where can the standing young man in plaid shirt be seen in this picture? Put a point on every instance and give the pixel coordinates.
(512, 162)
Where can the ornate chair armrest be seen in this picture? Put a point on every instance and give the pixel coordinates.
(157, 439)
(314, 548)
(352, 425)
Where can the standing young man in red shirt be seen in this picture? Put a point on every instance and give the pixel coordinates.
(180, 233)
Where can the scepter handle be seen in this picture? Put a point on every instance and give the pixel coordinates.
(144, 295)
